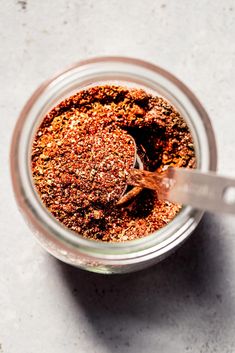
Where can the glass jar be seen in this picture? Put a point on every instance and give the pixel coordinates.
(55, 238)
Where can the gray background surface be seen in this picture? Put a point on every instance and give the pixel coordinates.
(186, 303)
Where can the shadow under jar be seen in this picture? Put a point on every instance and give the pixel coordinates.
(64, 244)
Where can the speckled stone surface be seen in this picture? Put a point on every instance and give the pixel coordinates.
(185, 304)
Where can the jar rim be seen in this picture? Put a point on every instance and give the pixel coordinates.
(31, 205)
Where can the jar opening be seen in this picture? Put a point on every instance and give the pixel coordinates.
(125, 72)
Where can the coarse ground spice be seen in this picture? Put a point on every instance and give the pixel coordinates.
(82, 153)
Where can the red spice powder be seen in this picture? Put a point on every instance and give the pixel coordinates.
(82, 153)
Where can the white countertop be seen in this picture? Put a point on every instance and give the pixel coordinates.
(182, 305)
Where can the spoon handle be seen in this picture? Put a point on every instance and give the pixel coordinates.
(206, 191)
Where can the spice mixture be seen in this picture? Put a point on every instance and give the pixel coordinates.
(84, 149)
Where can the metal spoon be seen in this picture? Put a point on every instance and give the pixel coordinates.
(206, 191)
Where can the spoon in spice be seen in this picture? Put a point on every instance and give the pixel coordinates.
(206, 191)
